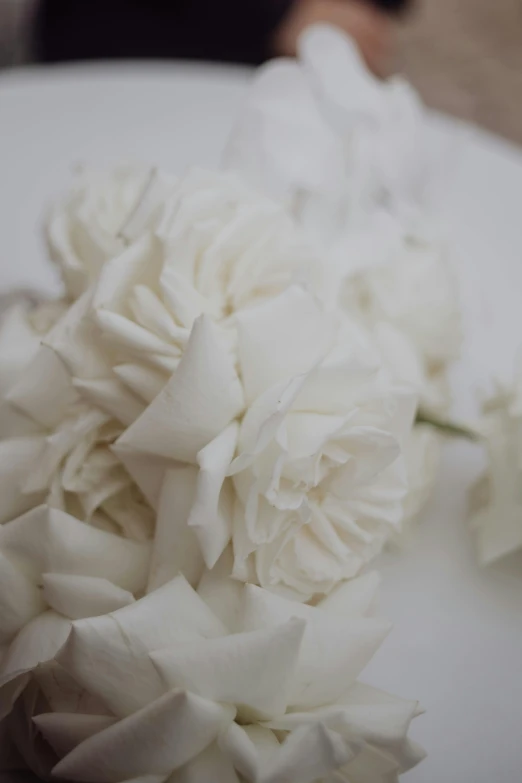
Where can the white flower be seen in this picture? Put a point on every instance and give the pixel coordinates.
(272, 696)
(340, 147)
(54, 569)
(497, 497)
(87, 228)
(57, 447)
(308, 429)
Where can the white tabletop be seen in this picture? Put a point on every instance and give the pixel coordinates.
(457, 643)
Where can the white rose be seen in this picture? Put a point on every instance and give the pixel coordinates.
(343, 151)
(309, 430)
(86, 229)
(54, 569)
(496, 499)
(273, 696)
(57, 448)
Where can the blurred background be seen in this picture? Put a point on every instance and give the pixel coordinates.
(464, 56)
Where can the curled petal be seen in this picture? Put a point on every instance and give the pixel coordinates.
(47, 540)
(20, 599)
(16, 454)
(249, 669)
(64, 731)
(211, 764)
(307, 755)
(172, 730)
(280, 339)
(83, 596)
(176, 548)
(36, 643)
(202, 397)
(211, 519)
(102, 653)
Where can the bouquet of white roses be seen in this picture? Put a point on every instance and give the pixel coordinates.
(203, 445)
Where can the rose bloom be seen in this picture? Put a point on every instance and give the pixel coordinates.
(273, 403)
(251, 687)
(55, 447)
(293, 453)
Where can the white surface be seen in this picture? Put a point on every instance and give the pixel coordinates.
(457, 644)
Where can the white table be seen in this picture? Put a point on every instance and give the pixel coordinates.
(457, 643)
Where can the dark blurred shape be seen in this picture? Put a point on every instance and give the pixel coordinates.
(230, 30)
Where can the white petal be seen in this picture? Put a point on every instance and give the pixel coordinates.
(170, 731)
(281, 338)
(64, 731)
(176, 548)
(251, 748)
(139, 264)
(83, 596)
(104, 652)
(20, 599)
(112, 397)
(306, 755)
(44, 389)
(147, 471)
(18, 343)
(16, 456)
(143, 381)
(47, 540)
(202, 397)
(221, 593)
(11, 686)
(252, 670)
(62, 693)
(37, 642)
(354, 598)
(211, 765)
(210, 519)
(332, 654)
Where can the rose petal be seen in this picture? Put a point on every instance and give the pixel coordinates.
(146, 470)
(221, 593)
(354, 598)
(211, 764)
(176, 548)
(46, 540)
(172, 730)
(331, 653)
(252, 670)
(104, 653)
(83, 596)
(307, 755)
(280, 339)
(64, 731)
(37, 642)
(112, 397)
(202, 397)
(20, 599)
(44, 389)
(16, 455)
(209, 518)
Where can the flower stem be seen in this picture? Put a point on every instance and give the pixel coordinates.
(446, 427)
